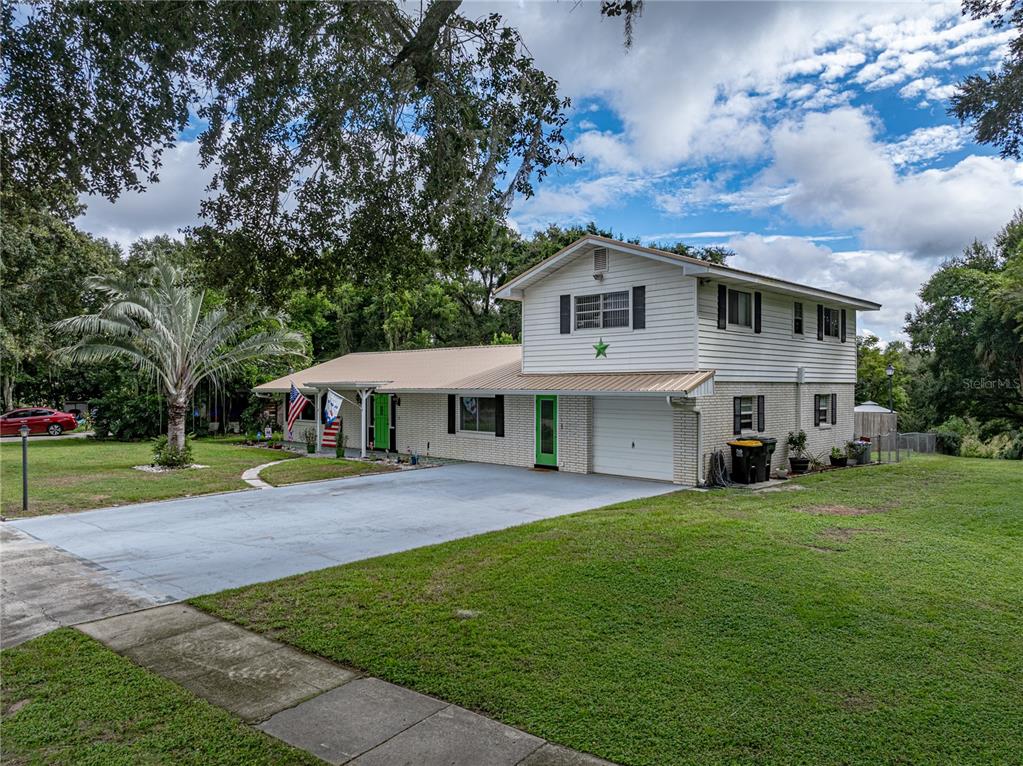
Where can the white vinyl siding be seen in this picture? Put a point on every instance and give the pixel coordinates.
(633, 436)
(667, 343)
(775, 353)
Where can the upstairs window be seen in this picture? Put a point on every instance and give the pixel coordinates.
(797, 318)
(478, 413)
(740, 308)
(831, 322)
(602, 311)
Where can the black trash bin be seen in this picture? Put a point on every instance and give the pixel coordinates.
(746, 456)
(764, 470)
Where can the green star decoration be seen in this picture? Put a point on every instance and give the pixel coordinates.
(601, 348)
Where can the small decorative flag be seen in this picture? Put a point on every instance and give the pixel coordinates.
(333, 406)
(296, 403)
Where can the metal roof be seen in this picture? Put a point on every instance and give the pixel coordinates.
(408, 370)
(870, 407)
(475, 368)
(509, 378)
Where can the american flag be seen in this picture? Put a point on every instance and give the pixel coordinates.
(296, 403)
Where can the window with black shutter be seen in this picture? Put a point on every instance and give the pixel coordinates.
(834, 408)
(722, 307)
(761, 414)
(842, 323)
(758, 301)
(639, 307)
(820, 322)
(823, 409)
(797, 318)
(499, 415)
(565, 314)
(742, 414)
(452, 405)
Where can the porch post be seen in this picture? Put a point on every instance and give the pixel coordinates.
(364, 395)
(319, 417)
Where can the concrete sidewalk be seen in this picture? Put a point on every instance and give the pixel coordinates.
(332, 712)
(43, 588)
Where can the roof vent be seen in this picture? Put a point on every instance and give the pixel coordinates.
(599, 260)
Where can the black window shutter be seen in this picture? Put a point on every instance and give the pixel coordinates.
(834, 409)
(499, 415)
(722, 307)
(757, 305)
(566, 314)
(639, 307)
(816, 409)
(736, 414)
(451, 413)
(820, 322)
(843, 325)
(760, 414)
(393, 430)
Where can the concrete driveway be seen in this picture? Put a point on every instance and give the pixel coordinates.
(182, 548)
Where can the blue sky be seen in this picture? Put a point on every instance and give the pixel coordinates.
(811, 138)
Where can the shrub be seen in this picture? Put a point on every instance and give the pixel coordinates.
(168, 456)
(948, 442)
(1014, 449)
(958, 425)
(126, 414)
(992, 428)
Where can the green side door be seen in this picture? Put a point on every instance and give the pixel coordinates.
(547, 431)
(381, 421)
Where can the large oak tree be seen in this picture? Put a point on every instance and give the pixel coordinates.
(341, 136)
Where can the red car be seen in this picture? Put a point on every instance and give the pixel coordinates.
(40, 420)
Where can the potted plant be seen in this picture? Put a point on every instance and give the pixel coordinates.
(799, 462)
(309, 434)
(839, 459)
(857, 451)
(341, 445)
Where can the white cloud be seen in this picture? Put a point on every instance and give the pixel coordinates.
(928, 87)
(575, 203)
(830, 169)
(926, 144)
(164, 208)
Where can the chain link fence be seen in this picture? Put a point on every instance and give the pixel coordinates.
(894, 447)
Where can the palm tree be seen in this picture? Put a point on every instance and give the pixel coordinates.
(159, 323)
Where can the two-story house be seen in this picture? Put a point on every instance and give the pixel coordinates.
(634, 362)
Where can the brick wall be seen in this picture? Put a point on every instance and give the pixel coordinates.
(684, 426)
(787, 408)
(422, 427)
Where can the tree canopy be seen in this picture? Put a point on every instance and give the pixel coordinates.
(342, 136)
(994, 101)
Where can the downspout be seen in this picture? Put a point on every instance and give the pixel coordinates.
(699, 443)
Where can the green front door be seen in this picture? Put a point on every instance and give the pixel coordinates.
(547, 430)
(381, 421)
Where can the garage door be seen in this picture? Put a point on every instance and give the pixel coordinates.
(632, 436)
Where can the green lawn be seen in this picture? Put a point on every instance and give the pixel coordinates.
(314, 469)
(78, 474)
(875, 617)
(68, 699)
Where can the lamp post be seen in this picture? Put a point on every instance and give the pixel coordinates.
(890, 372)
(24, 466)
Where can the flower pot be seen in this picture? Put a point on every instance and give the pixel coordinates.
(311, 449)
(799, 464)
(839, 462)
